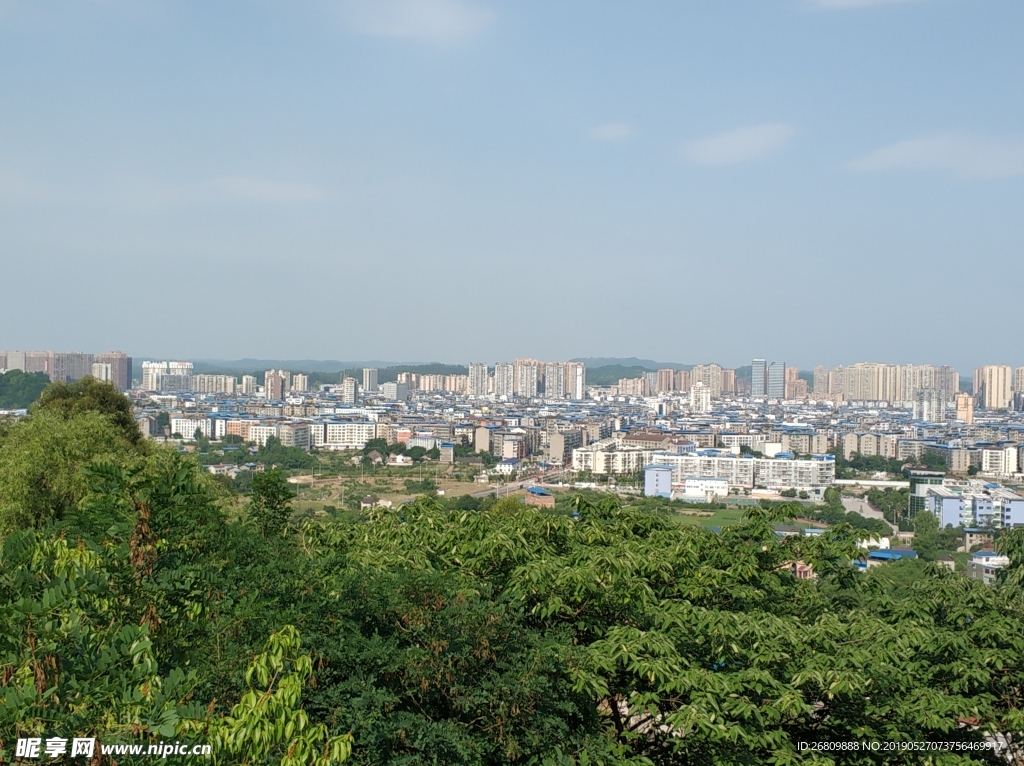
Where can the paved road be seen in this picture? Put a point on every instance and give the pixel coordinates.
(856, 505)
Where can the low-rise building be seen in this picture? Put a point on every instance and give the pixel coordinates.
(985, 566)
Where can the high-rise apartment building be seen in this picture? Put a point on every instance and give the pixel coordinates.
(527, 378)
(792, 376)
(666, 380)
(775, 382)
(30, 361)
(369, 380)
(758, 378)
(504, 380)
(214, 384)
(101, 371)
(682, 380)
(728, 381)
(554, 380)
(965, 408)
(700, 397)
(478, 382)
(576, 380)
(349, 389)
(710, 375)
(820, 385)
(68, 366)
(120, 368)
(993, 384)
(1018, 380)
(300, 382)
(276, 383)
(167, 376)
(929, 405)
(248, 385)
(634, 386)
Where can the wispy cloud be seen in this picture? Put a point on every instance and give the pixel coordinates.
(613, 131)
(264, 190)
(843, 4)
(737, 146)
(962, 155)
(431, 21)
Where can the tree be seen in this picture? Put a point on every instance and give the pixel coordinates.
(91, 395)
(41, 459)
(270, 504)
(20, 389)
(477, 634)
(380, 445)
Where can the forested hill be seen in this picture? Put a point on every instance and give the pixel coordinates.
(140, 600)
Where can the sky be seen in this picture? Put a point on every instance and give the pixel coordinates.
(814, 181)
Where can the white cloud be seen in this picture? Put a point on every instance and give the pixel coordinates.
(843, 4)
(263, 190)
(962, 155)
(737, 146)
(613, 131)
(430, 21)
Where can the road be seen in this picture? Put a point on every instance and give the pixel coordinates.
(856, 505)
(503, 489)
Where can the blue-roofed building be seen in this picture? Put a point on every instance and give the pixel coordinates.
(538, 497)
(985, 566)
(886, 556)
(508, 466)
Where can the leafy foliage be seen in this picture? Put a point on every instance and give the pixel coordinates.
(40, 464)
(19, 389)
(473, 633)
(270, 506)
(91, 395)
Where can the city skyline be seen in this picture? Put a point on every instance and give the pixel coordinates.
(751, 167)
(1016, 373)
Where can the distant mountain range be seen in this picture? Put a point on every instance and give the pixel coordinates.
(632, 361)
(306, 365)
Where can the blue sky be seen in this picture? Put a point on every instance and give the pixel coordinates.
(819, 181)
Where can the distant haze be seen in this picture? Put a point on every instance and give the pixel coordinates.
(813, 181)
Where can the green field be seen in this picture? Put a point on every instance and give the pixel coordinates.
(712, 518)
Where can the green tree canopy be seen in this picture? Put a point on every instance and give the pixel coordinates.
(20, 389)
(91, 395)
(41, 461)
(270, 505)
(479, 634)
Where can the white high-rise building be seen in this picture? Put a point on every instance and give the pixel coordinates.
(348, 390)
(369, 380)
(477, 379)
(993, 382)
(504, 379)
(167, 376)
(214, 384)
(101, 371)
(1018, 379)
(249, 384)
(700, 397)
(300, 382)
(929, 405)
(576, 380)
(527, 377)
(554, 380)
